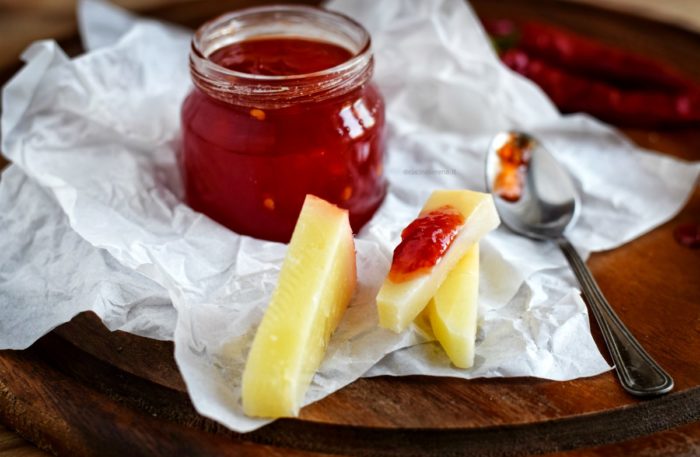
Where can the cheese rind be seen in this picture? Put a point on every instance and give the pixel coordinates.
(316, 283)
(398, 304)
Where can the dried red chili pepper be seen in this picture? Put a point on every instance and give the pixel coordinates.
(598, 60)
(580, 74)
(573, 93)
(585, 56)
(688, 235)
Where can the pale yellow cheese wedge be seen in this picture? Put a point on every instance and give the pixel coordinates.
(399, 303)
(316, 282)
(452, 311)
(422, 323)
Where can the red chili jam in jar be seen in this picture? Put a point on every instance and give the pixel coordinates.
(282, 106)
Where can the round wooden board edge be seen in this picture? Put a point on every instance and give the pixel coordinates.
(186, 430)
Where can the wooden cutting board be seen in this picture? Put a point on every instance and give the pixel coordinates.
(84, 391)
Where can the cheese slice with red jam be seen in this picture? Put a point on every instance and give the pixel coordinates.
(431, 246)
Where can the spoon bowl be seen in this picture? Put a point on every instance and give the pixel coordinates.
(536, 197)
(549, 202)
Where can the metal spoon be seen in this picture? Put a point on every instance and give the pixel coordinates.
(548, 205)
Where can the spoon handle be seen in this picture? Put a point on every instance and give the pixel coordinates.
(639, 374)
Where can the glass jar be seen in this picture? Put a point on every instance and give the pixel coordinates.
(255, 142)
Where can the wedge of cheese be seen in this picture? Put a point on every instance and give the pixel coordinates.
(453, 310)
(398, 303)
(422, 324)
(316, 283)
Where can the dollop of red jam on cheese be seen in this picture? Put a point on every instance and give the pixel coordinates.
(424, 242)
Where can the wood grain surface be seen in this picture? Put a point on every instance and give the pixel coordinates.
(84, 391)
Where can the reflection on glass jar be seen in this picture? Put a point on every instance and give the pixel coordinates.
(282, 106)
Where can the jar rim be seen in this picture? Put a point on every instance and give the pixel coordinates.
(200, 57)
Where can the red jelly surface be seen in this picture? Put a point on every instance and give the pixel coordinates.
(280, 57)
(250, 168)
(514, 158)
(424, 241)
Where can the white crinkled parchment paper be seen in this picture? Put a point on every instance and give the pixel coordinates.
(91, 215)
